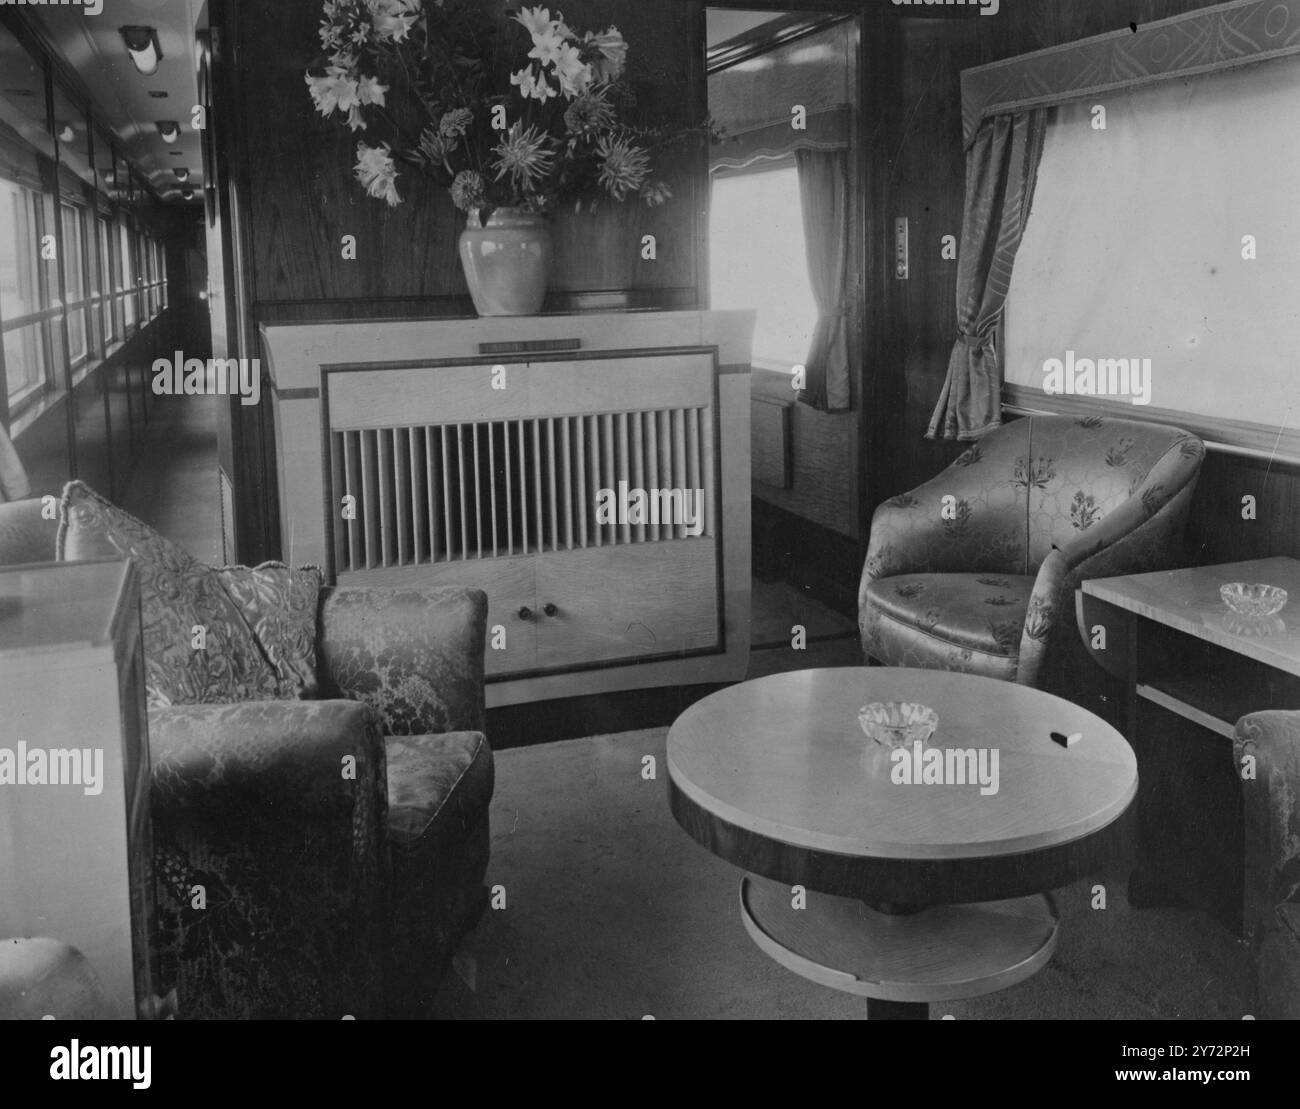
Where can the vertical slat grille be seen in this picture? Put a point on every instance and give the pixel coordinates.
(458, 492)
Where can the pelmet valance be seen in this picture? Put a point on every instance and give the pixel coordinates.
(824, 130)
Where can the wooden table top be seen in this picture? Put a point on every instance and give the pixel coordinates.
(784, 758)
(1189, 601)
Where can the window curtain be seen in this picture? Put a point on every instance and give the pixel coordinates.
(823, 198)
(1001, 167)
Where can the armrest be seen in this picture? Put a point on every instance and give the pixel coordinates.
(260, 806)
(1142, 534)
(414, 655)
(1272, 817)
(25, 536)
(270, 760)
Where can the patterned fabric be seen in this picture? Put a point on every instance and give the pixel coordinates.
(277, 811)
(1052, 499)
(1001, 168)
(439, 789)
(437, 785)
(414, 655)
(971, 623)
(177, 594)
(1217, 37)
(1272, 848)
(280, 606)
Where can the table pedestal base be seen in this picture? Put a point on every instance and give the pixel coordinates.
(901, 962)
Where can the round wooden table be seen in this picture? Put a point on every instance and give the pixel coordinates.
(913, 891)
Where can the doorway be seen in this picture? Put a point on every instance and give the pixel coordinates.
(784, 240)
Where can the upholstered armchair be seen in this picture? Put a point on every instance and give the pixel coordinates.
(320, 857)
(976, 569)
(1272, 856)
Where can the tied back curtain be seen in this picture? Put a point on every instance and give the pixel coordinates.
(1001, 167)
(824, 200)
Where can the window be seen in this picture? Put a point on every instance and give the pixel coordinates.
(106, 309)
(126, 277)
(757, 260)
(20, 300)
(74, 282)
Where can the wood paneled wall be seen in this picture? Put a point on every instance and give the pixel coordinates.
(296, 169)
(926, 170)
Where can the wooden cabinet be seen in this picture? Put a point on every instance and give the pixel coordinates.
(589, 473)
(75, 845)
(1188, 670)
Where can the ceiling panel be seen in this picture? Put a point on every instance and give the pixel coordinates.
(132, 104)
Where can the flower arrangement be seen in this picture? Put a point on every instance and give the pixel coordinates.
(505, 108)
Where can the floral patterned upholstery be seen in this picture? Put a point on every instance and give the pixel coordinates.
(270, 858)
(439, 787)
(976, 569)
(319, 897)
(177, 594)
(1272, 850)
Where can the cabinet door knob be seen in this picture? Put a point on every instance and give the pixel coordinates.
(525, 613)
(550, 609)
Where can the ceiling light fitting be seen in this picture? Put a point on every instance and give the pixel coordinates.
(142, 45)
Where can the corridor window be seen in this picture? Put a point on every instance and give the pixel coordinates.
(20, 305)
(757, 260)
(106, 309)
(74, 281)
(127, 286)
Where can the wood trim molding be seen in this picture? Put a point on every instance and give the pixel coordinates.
(767, 37)
(1211, 39)
(1241, 437)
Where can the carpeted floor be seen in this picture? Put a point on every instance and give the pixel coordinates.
(613, 912)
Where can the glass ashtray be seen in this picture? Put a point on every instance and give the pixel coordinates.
(898, 723)
(1246, 599)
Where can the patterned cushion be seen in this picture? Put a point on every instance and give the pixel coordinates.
(177, 593)
(967, 622)
(280, 606)
(438, 786)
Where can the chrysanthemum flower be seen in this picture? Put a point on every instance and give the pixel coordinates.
(455, 122)
(589, 114)
(376, 170)
(523, 154)
(468, 190)
(625, 167)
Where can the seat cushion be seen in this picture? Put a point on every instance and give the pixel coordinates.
(966, 622)
(438, 786)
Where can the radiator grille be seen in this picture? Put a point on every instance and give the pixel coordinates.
(454, 492)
